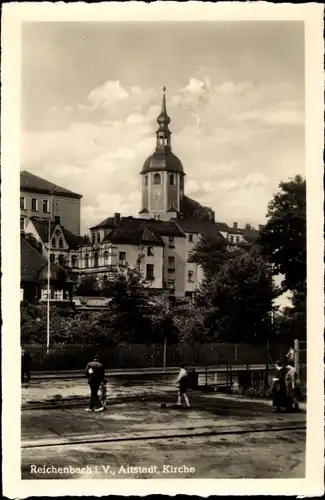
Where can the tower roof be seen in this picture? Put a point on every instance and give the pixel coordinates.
(163, 158)
(163, 119)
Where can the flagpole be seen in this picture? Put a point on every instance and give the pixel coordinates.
(51, 201)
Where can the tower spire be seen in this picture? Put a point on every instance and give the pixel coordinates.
(163, 133)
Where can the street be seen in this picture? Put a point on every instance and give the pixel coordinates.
(220, 437)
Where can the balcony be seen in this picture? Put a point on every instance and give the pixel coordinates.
(150, 278)
(122, 263)
(171, 269)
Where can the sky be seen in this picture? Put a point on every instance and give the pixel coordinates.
(91, 94)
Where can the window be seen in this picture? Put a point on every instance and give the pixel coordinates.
(74, 261)
(86, 260)
(149, 274)
(172, 179)
(231, 238)
(122, 258)
(98, 237)
(158, 217)
(46, 206)
(22, 223)
(22, 203)
(105, 258)
(150, 251)
(60, 243)
(44, 295)
(61, 260)
(53, 243)
(146, 180)
(171, 264)
(190, 275)
(171, 241)
(93, 237)
(34, 204)
(237, 239)
(171, 285)
(190, 238)
(52, 258)
(157, 179)
(58, 294)
(95, 259)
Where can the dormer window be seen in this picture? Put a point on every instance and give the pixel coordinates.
(171, 242)
(53, 242)
(60, 243)
(156, 179)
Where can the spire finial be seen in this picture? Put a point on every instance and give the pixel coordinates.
(164, 88)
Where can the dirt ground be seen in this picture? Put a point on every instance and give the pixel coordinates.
(234, 456)
(276, 454)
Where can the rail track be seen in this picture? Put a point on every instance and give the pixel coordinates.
(186, 433)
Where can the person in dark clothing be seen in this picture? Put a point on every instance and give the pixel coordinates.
(279, 387)
(95, 373)
(26, 361)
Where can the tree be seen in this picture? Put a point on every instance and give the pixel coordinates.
(87, 286)
(210, 253)
(128, 311)
(238, 298)
(283, 238)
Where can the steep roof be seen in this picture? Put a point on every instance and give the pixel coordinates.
(206, 228)
(33, 265)
(159, 227)
(73, 240)
(163, 228)
(108, 223)
(33, 183)
(133, 234)
(42, 227)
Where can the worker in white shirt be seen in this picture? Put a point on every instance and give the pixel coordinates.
(182, 380)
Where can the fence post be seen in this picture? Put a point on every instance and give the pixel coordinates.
(165, 348)
(206, 375)
(296, 356)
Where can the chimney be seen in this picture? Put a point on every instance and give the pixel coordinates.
(117, 219)
(235, 225)
(260, 227)
(57, 219)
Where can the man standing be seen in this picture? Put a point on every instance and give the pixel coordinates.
(95, 373)
(26, 360)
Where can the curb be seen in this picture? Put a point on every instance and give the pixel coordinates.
(165, 434)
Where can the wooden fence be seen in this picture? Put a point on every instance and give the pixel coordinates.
(76, 357)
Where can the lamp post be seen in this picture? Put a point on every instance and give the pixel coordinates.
(51, 207)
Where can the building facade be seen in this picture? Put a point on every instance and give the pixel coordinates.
(43, 199)
(159, 242)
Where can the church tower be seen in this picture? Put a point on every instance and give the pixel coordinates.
(162, 175)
